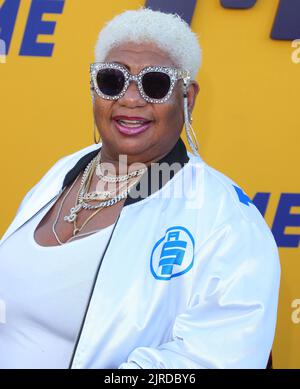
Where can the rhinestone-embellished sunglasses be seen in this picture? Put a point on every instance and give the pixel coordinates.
(155, 83)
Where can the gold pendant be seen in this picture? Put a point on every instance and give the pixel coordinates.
(75, 231)
(73, 213)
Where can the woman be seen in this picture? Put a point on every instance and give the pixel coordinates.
(135, 253)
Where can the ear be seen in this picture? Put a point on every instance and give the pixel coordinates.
(193, 90)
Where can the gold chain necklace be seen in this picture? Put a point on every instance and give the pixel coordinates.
(76, 229)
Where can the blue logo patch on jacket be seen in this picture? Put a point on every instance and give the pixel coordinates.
(245, 199)
(173, 254)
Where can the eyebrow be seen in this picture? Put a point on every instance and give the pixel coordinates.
(127, 66)
(120, 63)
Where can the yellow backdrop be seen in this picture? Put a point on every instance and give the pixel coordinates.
(246, 117)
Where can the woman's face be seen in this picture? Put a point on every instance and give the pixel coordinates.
(166, 119)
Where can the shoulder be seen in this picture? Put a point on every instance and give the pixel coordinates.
(233, 235)
(67, 162)
(70, 159)
(54, 177)
(224, 202)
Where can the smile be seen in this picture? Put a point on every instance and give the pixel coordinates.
(131, 126)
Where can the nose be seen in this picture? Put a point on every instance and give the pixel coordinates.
(132, 97)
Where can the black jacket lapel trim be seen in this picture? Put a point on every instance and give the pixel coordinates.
(79, 167)
(177, 154)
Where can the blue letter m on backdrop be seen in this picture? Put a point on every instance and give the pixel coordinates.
(286, 25)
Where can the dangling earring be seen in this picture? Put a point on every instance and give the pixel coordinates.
(190, 134)
(96, 141)
(93, 102)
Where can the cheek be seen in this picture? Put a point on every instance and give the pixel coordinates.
(170, 113)
(102, 111)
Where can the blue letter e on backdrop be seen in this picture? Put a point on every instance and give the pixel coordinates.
(35, 26)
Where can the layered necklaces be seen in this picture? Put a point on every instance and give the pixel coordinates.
(103, 198)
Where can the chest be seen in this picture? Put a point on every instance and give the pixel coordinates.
(53, 225)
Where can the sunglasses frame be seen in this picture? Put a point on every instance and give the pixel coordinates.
(174, 74)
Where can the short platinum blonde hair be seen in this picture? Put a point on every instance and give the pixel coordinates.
(169, 32)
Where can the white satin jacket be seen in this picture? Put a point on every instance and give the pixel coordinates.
(189, 278)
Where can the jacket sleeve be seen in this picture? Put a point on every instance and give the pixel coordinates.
(26, 198)
(231, 315)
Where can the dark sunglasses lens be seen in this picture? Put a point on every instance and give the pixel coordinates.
(110, 81)
(156, 85)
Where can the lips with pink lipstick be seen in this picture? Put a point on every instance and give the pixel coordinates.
(131, 125)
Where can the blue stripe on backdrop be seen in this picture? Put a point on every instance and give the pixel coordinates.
(185, 8)
(238, 4)
(287, 22)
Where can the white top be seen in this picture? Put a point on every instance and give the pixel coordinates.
(45, 291)
(211, 302)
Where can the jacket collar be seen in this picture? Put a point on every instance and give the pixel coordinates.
(51, 184)
(177, 154)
